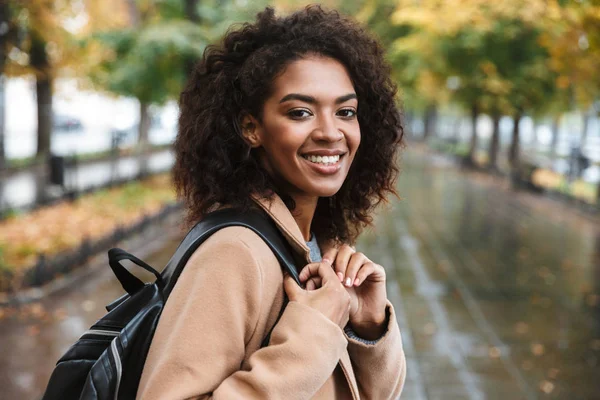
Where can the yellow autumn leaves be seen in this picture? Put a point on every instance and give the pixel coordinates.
(63, 226)
(568, 31)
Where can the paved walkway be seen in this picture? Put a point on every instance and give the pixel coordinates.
(497, 296)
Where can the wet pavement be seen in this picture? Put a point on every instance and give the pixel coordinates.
(498, 298)
(34, 336)
(497, 295)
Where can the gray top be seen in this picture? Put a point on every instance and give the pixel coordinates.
(315, 251)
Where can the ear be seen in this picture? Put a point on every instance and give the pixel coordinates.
(250, 128)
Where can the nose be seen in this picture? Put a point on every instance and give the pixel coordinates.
(327, 130)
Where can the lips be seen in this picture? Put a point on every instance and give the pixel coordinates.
(324, 152)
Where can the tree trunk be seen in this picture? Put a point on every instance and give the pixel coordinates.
(135, 19)
(134, 13)
(144, 126)
(535, 141)
(474, 138)
(43, 87)
(555, 129)
(2, 124)
(584, 131)
(430, 121)
(515, 145)
(143, 129)
(191, 10)
(495, 143)
(4, 32)
(406, 117)
(191, 13)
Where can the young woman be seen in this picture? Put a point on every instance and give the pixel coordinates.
(296, 116)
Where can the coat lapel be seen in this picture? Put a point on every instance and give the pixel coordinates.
(278, 211)
(349, 374)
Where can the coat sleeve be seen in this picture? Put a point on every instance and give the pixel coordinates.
(380, 368)
(211, 316)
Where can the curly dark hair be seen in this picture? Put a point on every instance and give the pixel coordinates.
(215, 165)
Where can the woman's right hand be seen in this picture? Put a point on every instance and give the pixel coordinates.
(330, 299)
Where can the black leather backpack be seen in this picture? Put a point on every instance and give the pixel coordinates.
(107, 361)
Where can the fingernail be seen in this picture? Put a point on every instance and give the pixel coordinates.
(356, 282)
(327, 260)
(339, 274)
(348, 282)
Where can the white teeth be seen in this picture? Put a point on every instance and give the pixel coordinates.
(323, 159)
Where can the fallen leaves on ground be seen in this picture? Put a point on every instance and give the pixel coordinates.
(538, 349)
(494, 352)
(64, 226)
(521, 328)
(546, 387)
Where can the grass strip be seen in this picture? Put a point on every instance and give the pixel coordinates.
(66, 225)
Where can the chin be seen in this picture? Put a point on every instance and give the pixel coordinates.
(324, 191)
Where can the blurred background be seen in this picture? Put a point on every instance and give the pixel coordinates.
(492, 250)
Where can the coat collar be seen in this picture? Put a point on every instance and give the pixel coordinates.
(276, 209)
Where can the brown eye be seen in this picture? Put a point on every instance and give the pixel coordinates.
(347, 113)
(299, 113)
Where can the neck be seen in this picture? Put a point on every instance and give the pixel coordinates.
(304, 213)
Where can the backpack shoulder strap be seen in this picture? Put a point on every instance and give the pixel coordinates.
(255, 220)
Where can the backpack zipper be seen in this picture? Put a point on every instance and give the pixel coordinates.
(117, 359)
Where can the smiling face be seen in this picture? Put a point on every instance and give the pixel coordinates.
(309, 132)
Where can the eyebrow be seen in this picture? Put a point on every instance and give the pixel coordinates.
(311, 100)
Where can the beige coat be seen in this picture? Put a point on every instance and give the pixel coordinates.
(207, 343)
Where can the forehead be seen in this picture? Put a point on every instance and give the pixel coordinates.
(319, 76)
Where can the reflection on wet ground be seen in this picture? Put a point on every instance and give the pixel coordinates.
(496, 298)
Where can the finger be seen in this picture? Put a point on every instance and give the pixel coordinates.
(330, 255)
(356, 262)
(341, 261)
(313, 283)
(291, 287)
(322, 270)
(363, 273)
(377, 275)
(308, 271)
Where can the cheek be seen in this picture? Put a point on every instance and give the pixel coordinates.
(285, 134)
(282, 141)
(354, 139)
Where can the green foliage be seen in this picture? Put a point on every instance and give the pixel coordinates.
(11, 213)
(26, 250)
(496, 64)
(150, 61)
(513, 57)
(131, 196)
(3, 265)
